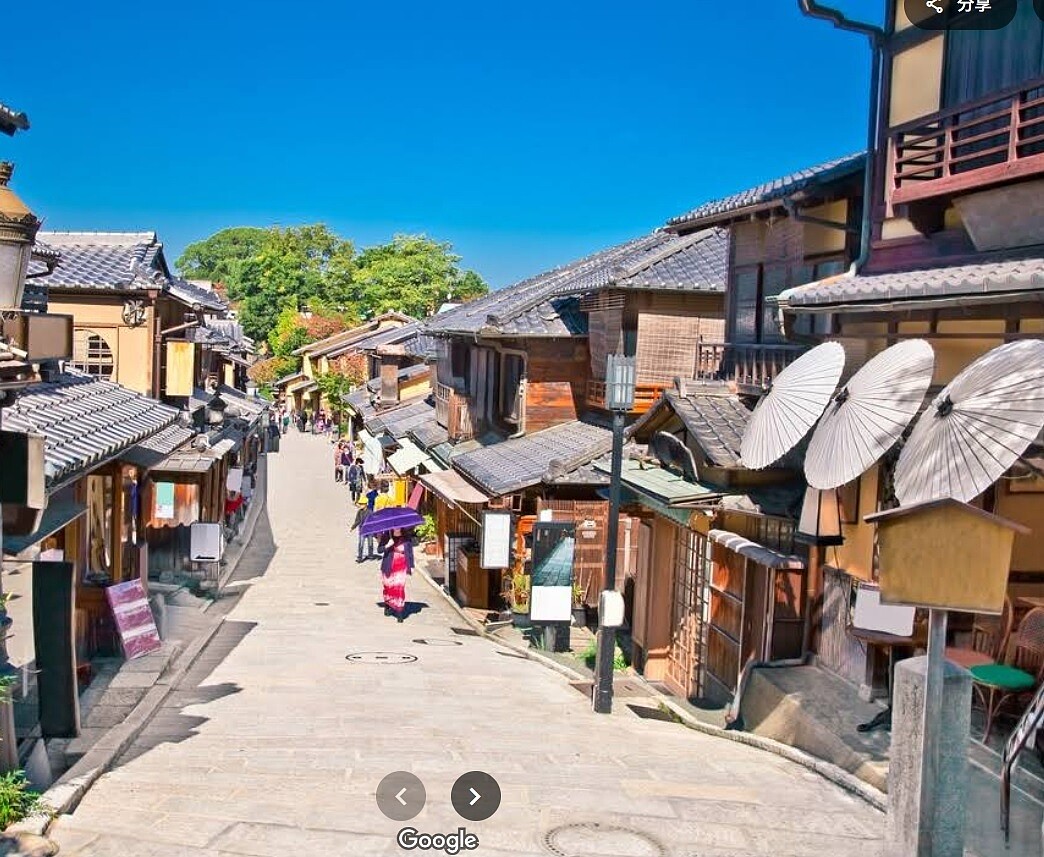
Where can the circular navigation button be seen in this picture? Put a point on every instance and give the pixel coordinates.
(476, 796)
(400, 796)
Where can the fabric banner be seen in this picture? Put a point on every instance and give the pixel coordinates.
(134, 620)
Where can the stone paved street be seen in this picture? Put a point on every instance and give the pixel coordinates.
(275, 743)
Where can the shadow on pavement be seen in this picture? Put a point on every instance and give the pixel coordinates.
(171, 725)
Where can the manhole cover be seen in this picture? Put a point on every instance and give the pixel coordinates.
(383, 658)
(465, 632)
(593, 839)
(647, 712)
(423, 641)
(322, 603)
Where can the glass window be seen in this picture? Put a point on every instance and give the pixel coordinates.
(511, 387)
(745, 314)
(91, 354)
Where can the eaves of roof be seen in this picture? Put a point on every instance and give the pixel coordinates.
(771, 194)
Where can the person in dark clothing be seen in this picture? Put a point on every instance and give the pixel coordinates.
(354, 475)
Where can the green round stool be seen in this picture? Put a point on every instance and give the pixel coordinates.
(995, 684)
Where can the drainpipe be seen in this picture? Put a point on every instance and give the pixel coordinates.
(876, 35)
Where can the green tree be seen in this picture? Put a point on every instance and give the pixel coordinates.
(289, 332)
(220, 257)
(413, 274)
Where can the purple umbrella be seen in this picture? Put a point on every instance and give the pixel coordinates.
(392, 518)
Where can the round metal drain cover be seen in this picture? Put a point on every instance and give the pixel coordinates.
(381, 658)
(592, 839)
(434, 641)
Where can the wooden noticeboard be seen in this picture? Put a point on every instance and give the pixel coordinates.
(944, 554)
(179, 368)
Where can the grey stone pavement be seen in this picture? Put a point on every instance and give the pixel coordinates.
(275, 742)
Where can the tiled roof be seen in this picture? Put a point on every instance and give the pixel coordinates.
(154, 449)
(363, 331)
(373, 341)
(399, 420)
(86, 421)
(717, 422)
(985, 278)
(518, 463)
(774, 190)
(191, 294)
(105, 260)
(407, 373)
(359, 401)
(12, 120)
(428, 435)
(286, 379)
(547, 305)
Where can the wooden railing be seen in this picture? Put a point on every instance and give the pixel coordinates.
(645, 396)
(750, 367)
(755, 366)
(984, 142)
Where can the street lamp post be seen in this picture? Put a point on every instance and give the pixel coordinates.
(619, 398)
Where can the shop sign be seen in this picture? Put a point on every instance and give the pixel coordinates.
(134, 620)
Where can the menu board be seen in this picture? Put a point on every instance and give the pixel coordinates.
(134, 621)
(496, 539)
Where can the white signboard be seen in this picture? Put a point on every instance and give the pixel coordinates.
(207, 542)
(496, 539)
(234, 482)
(871, 615)
(551, 604)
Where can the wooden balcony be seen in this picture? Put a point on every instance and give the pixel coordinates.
(751, 368)
(968, 147)
(645, 396)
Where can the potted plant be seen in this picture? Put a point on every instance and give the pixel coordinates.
(579, 611)
(427, 534)
(520, 584)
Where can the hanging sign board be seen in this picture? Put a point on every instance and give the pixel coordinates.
(164, 502)
(133, 616)
(496, 539)
(551, 598)
(234, 481)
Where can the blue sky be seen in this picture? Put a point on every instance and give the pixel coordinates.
(525, 134)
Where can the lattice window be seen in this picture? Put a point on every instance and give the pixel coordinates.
(689, 612)
(91, 354)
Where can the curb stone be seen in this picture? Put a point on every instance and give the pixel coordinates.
(838, 776)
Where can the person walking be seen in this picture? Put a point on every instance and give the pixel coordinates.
(354, 474)
(396, 566)
(338, 465)
(364, 548)
(286, 421)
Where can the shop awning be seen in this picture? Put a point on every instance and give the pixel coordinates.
(453, 488)
(408, 457)
(680, 516)
(753, 551)
(58, 513)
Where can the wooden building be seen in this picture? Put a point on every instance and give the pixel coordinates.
(956, 257)
(90, 536)
(520, 381)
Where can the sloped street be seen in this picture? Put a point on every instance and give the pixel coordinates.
(275, 743)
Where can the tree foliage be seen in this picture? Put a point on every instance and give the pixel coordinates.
(413, 274)
(264, 372)
(268, 272)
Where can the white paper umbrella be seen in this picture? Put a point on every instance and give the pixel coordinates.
(976, 428)
(869, 414)
(798, 396)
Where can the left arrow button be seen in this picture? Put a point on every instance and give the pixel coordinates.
(401, 796)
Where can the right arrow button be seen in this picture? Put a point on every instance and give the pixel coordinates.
(475, 796)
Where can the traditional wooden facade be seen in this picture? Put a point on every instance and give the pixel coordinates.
(956, 257)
